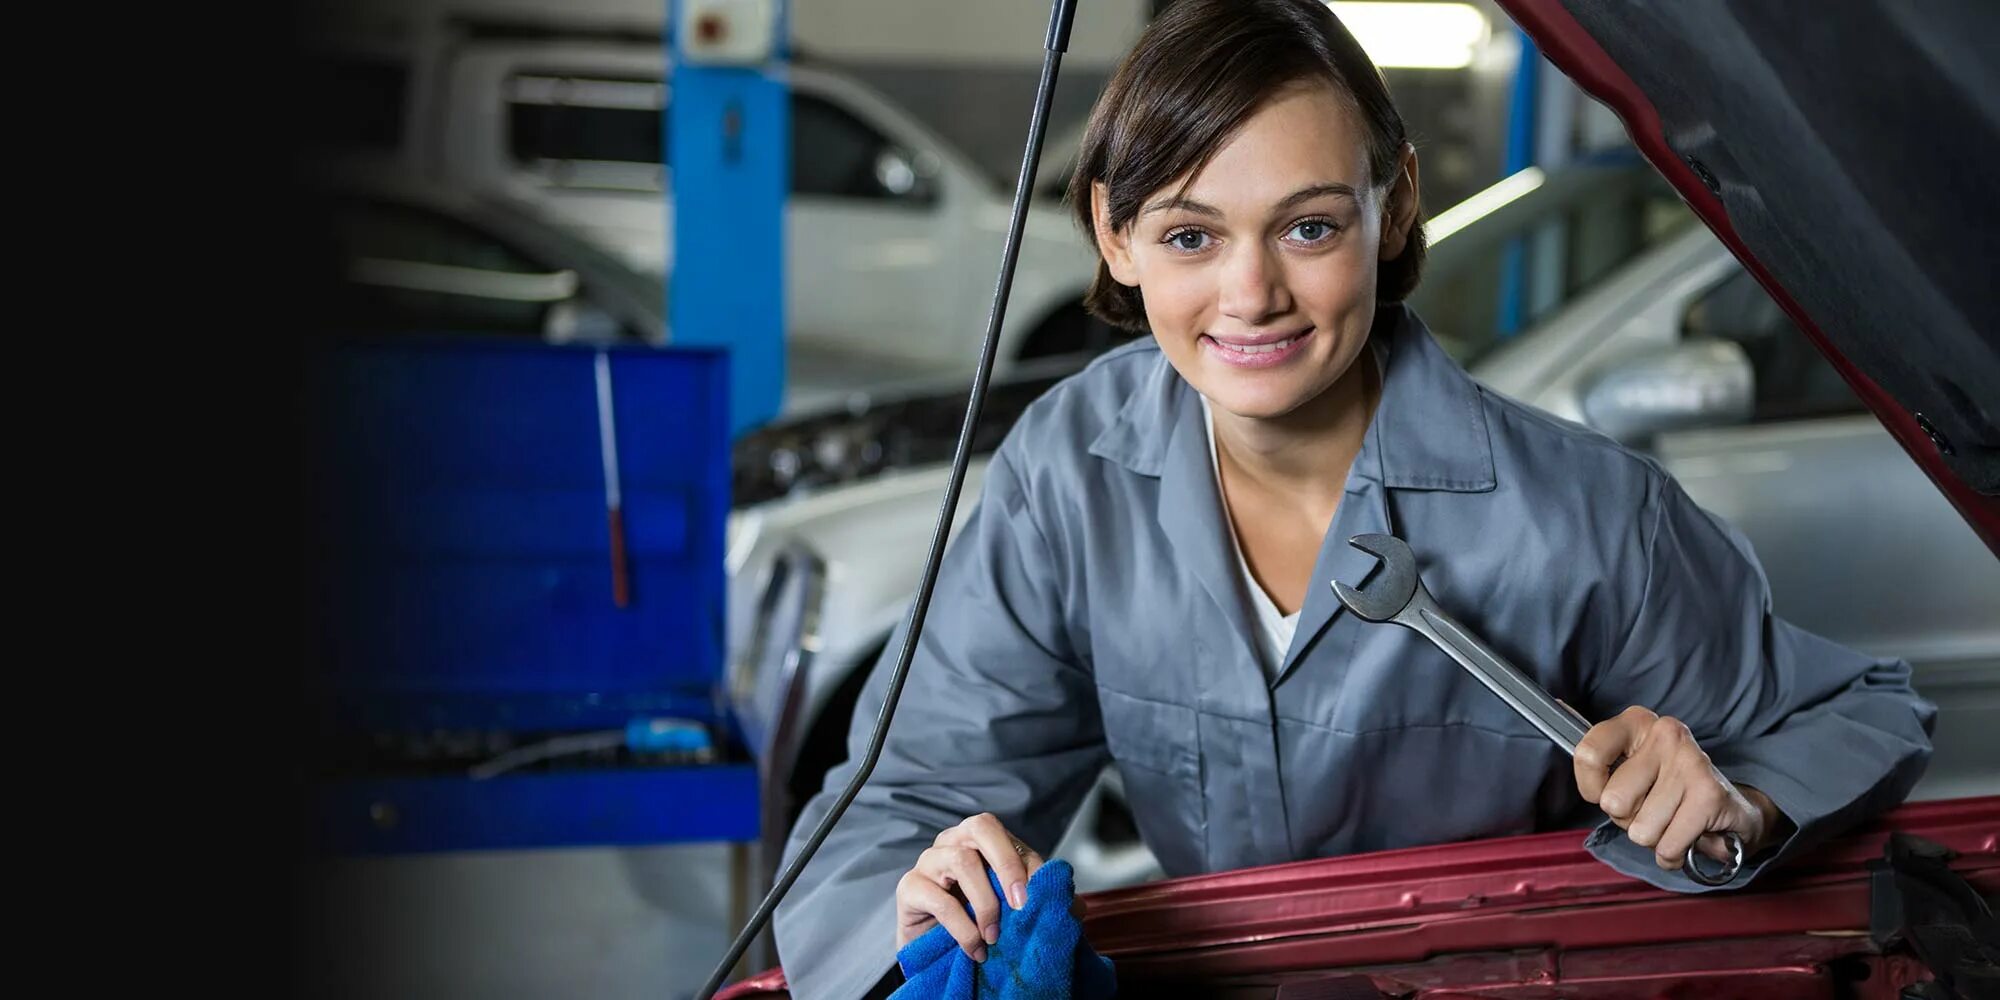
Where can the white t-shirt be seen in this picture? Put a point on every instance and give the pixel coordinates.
(1273, 629)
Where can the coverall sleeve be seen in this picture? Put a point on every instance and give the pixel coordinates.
(998, 715)
(1831, 735)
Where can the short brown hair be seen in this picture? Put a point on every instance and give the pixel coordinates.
(1199, 71)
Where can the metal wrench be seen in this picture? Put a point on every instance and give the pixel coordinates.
(1397, 595)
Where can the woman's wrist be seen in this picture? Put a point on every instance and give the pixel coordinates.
(1775, 827)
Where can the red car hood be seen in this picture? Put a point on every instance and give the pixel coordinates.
(1505, 909)
(1845, 153)
(1520, 917)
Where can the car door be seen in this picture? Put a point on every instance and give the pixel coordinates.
(870, 240)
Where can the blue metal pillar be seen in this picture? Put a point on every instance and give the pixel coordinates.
(729, 159)
(1523, 109)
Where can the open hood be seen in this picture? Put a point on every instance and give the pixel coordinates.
(1846, 154)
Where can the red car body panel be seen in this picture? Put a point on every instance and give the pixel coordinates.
(1521, 917)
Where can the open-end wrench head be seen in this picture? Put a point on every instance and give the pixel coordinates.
(1385, 596)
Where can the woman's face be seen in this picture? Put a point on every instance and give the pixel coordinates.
(1259, 277)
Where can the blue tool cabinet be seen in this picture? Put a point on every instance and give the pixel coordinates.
(464, 602)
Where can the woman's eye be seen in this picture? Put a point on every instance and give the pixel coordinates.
(1312, 230)
(1187, 240)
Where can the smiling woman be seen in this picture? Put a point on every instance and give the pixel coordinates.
(1262, 270)
(1143, 583)
(1157, 126)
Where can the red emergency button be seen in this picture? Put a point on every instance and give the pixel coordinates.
(710, 28)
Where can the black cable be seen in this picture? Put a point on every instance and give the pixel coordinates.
(1061, 14)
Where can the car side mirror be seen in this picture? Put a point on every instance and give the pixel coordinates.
(1700, 382)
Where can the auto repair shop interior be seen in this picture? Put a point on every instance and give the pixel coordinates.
(1561, 443)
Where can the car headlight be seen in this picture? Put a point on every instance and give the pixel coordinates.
(872, 434)
(777, 460)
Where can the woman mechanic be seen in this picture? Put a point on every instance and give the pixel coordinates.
(1145, 579)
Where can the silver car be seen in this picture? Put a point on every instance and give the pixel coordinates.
(878, 215)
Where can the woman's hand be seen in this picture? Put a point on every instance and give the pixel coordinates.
(952, 873)
(1646, 772)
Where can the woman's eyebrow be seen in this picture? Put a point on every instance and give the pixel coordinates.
(1317, 190)
(1185, 205)
(1304, 194)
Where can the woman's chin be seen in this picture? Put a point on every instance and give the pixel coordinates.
(1262, 397)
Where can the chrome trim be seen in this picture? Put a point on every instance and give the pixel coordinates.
(772, 675)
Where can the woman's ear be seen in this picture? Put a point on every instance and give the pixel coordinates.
(1112, 244)
(1401, 211)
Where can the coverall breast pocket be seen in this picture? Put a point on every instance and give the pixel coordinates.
(1157, 747)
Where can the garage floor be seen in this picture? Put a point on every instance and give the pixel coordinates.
(603, 924)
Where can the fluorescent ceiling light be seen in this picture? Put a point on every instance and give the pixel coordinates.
(1416, 35)
(1484, 203)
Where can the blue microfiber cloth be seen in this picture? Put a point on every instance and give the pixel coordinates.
(1041, 954)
